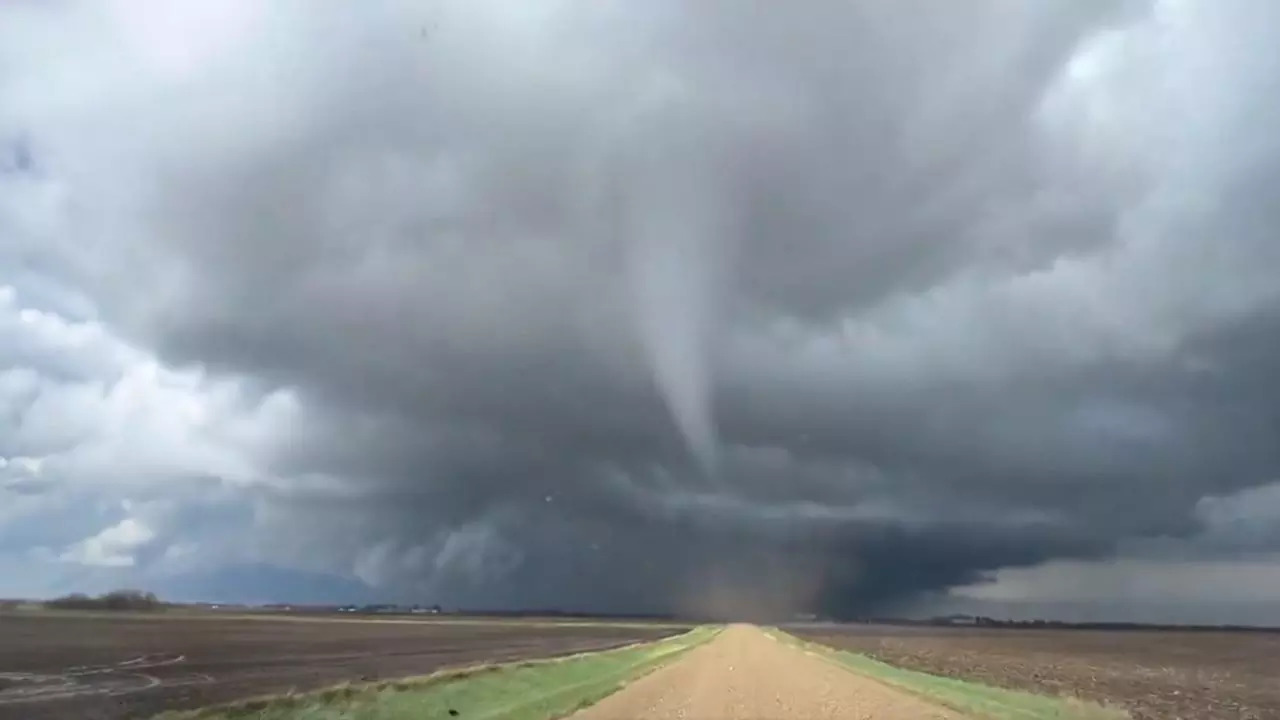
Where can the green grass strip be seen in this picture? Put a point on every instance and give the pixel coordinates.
(981, 702)
(530, 690)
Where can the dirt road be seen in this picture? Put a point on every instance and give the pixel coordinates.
(745, 674)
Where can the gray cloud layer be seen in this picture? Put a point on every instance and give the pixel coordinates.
(659, 305)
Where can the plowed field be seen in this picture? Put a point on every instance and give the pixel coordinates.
(1155, 675)
(74, 667)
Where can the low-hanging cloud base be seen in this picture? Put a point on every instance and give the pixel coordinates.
(840, 307)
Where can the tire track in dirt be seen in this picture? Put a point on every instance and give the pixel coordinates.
(56, 666)
(112, 680)
(745, 674)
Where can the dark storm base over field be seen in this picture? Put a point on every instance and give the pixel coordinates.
(838, 305)
(65, 667)
(1153, 674)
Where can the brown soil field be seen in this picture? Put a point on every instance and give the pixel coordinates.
(74, 667)
(1154, 675)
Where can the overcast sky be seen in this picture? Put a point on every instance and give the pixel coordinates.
(844, 306)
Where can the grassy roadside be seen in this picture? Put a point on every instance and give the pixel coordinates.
(530, 690)
(981, 702)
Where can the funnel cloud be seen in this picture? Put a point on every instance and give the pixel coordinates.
(748, 309)
(675, 226)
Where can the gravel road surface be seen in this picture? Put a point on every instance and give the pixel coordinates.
(743, 674)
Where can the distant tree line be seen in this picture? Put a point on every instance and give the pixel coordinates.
(114, 600)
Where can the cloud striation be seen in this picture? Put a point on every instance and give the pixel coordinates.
(701, 307)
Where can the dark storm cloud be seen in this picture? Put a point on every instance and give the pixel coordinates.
(953, 287)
